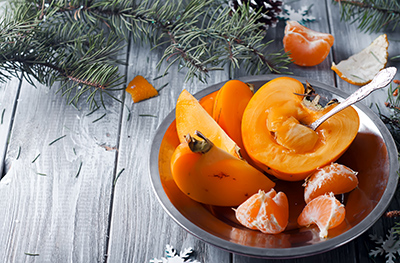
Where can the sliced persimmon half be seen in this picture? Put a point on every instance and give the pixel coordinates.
(191, 116)
(276, 136)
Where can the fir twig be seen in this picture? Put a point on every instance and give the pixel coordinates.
(371, 15)
(393, 121)
(77, 42)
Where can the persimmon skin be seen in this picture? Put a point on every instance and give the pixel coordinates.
(229, 106)
(191, 116)
(272, 105)
(216, 177)
(208, 102)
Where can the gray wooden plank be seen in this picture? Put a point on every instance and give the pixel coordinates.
(348, 41)
(8, 96)
(341, 254)
(140, 229)
(47, 208)
(321, 72)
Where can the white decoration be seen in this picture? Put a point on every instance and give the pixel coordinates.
(300, 16)
(389, 247)
(173, 257)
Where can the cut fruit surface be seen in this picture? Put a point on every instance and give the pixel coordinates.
(276, 137)
(335, 178)
(191, 116)
(325, 211)
(305, 46)
(267, 212)
(361, 68)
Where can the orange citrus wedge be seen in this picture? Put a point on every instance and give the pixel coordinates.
(359, 69)
(267, 212)
(335, 178)
(305, 46)
(325, 211)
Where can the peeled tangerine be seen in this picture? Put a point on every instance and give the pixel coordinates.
(276, 137)
(305, 46)
(210, 175)
(325, 211)
(335, 178)
(267, 212)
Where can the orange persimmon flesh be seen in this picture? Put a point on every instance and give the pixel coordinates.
(267, 212)
(215, 177)
(229, 106)
(191, 116)
(325, 211)
(333, 178)
(140, 89)
(276, 138)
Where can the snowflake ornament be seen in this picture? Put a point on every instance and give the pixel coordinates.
(389, 247)
(300, 16)
(173, 257)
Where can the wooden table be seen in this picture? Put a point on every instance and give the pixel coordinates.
(86, 197)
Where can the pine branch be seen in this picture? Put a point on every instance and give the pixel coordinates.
(393, 121)
(371, 15)
(76, 42)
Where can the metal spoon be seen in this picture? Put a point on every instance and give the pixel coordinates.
(382, 79)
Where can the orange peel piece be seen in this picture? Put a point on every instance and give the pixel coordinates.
(359, 69)
(140, 89)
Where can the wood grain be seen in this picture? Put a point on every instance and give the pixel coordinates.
(140, 229)
(76, 185)
(8, 100)
(47, 208)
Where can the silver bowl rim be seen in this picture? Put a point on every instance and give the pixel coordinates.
(276, 253)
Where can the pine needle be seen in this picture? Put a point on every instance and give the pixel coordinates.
(37, 156)
(59, 138)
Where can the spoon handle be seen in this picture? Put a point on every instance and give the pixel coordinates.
(382, 79)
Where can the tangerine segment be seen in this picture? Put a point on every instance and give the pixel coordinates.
(335, 178)
(191, 116)
(305, 46)
(325, 211)
(267, 212)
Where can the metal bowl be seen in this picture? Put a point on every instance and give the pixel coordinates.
(373, 154)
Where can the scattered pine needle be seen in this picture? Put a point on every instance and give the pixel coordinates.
(116, 178)
(79, 170)
(19, 153)
(2, 115)
(37, 156)
(59, 138)
(101, 117)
